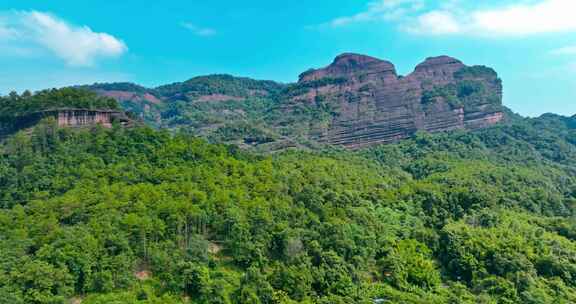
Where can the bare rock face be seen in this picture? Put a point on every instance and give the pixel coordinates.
(373, 105)
(65, 117)
(356, 101)
(352, 65)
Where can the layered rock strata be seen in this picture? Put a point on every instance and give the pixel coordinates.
(372, 104)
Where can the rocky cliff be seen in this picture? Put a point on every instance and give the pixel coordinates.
(356, 101)
(372, 104)
(64, 117)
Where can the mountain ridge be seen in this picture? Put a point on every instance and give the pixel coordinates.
(357, 101)
(138, 215)
(375, 105)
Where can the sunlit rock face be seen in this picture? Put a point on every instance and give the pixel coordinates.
(373, 104)
(65, 117)
(357, 101)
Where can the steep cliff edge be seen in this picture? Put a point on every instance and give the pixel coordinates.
(67, 107)
(371, 104)
(356, 101)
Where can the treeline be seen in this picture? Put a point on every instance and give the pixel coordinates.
(219, 84)
(16, 104)
(142, 216)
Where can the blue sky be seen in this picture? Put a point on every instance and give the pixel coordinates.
(52, 43)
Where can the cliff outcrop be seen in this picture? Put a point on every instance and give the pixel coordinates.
(65, 117)
(357, 101)
(372, 104)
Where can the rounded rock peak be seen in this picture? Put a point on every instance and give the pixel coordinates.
(358, 60)
(344, 57)
(350, 65)
(439, 61)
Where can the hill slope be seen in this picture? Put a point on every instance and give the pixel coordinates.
(357, 101)
(141, 216)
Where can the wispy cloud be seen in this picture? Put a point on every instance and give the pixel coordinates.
(434, 23)
(381, 10)
(456, 17)
(544, 16)
(197, 30)
(76, 45)
(6, 32)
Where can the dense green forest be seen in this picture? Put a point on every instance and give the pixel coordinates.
(137, 215)
(23, 111)
(218, 84)
(21, 104)
(221, 108)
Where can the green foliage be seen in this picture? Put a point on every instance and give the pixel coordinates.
(143, 216)
(464, 94)
(304, 87)
(409, 264)
(244, 132)
(219, 84)
(478, 71)
(447, 93)
(17, 105)
(119, 86)
(217, 107)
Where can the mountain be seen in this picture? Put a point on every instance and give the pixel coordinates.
(355, 102)
(67, 107)
(373, 105)
(141, 216)
(94, 210)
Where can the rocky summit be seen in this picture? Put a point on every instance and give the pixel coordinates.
(373, 104)
(357, 101)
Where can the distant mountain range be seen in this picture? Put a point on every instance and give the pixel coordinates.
(356, 101)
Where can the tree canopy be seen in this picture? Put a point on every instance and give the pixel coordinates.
(21, 104)
(144, 216)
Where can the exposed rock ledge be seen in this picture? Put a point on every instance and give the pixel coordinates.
(374, 105)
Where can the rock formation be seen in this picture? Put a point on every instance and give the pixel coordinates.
(83, 117)
(372, 104)
(65, 117)
(356, 101)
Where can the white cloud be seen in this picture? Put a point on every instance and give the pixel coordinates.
(76, 45)
(435, 23)
(461, 17)
(198, 31)
(568, 50)
(546, 16)
(381, 10)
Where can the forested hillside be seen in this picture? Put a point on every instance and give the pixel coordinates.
(144, 216)
(27, 102)
(19, 112)
(357, 101)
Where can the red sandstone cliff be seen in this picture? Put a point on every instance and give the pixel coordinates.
(356, 101)
(374, 105)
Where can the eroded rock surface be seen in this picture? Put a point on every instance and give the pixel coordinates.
(372, 104)
(356, 101)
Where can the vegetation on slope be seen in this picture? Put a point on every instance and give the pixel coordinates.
(219, 84)
(142, 216)
(21, 111)
(297, 114)
(26, 103)
(208, 106)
